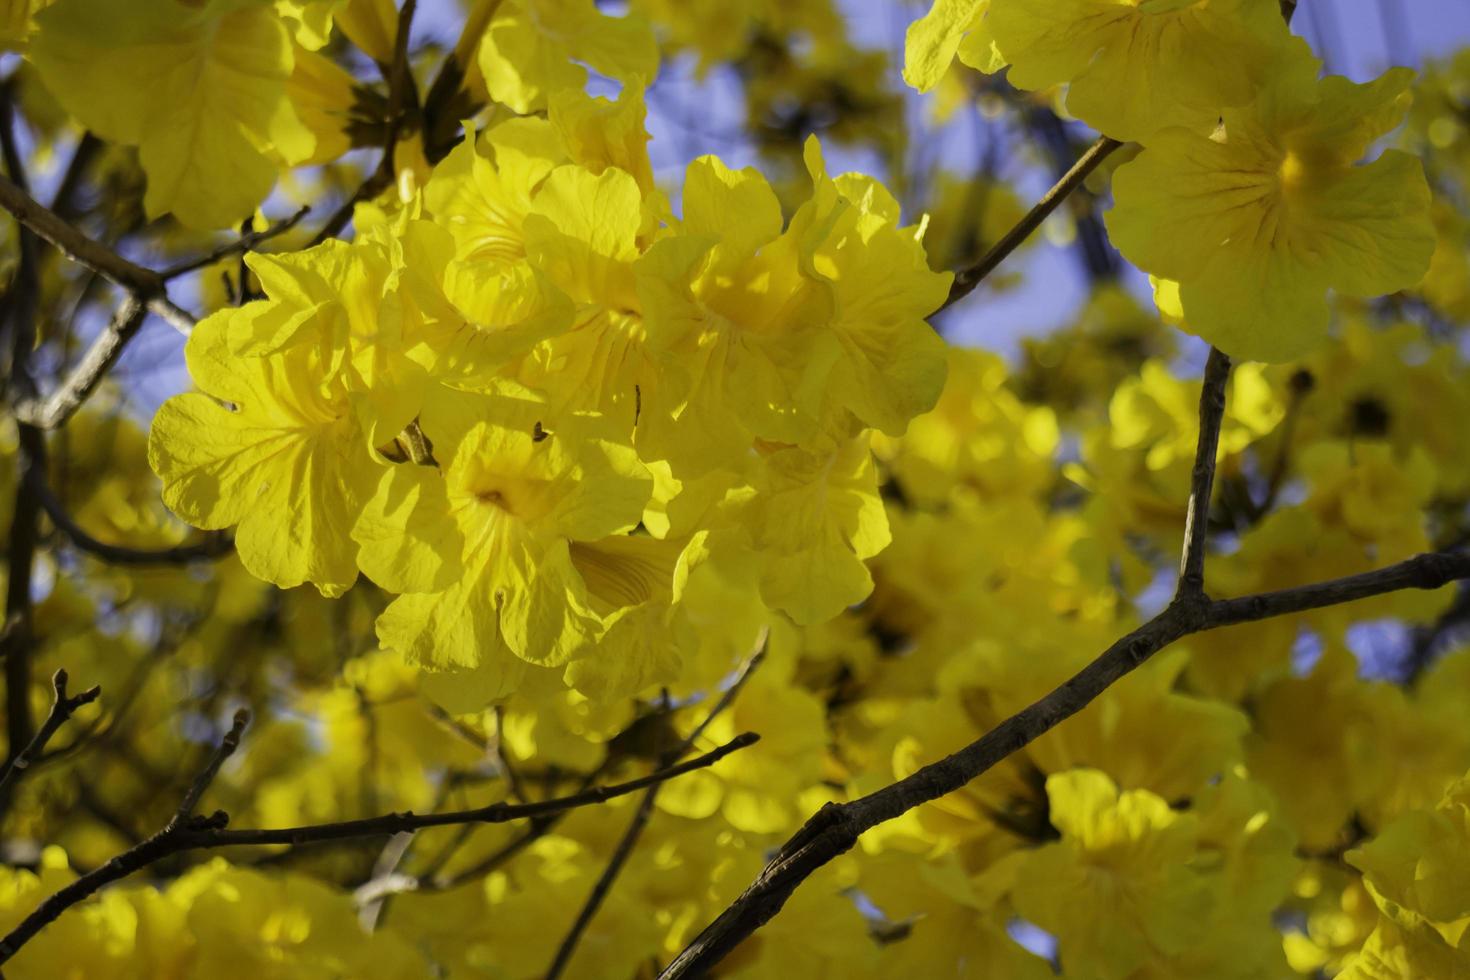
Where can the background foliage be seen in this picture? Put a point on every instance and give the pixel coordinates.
(530, 461)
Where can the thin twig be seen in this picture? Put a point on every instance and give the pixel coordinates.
(18, 318)
(143, 283)
(967, 279)
(212, 548)
(62, 708)
(1202, 478)
(223, 751)
(629, 840)
(18, 641)
(603, 885)
(245, 243)
(191, 833)
(53, 411)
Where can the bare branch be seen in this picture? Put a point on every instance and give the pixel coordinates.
(1428, 571)
(397, 823)
(191, 833)
(18, 640)
(629, 840)
(604, 884)
(62, 708)
(146, 292)
(245, 243)
(143, 283)
(213, 547)
(226, 748)
(834, 829)
(56, 409)
(1202, 479)
(966, 280)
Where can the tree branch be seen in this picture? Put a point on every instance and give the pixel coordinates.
(62, 708)
(629, 840)
(226, 748)
(57, 408)
(620, 855)
(18, 639)
(966, 280)
(143, 283)
(214, 547)
(834, 829)
(18, 319)
(1202, 479)
(245, 243)
(186, 832)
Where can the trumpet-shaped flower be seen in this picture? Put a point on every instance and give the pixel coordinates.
(511, 505)
(1137, 66)
(283, 457)
(205, 101)
(1257, 221)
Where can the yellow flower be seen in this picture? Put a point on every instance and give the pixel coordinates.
(1319, 763)
(887, 363)
(535, 48)
(199, 88)
(737, 314)
(1395, 953)
(1116, 889)
(1418, 870)
(511, 505)
(950, 28)
(815, 518)
(1134, 67)
(284, 458)
(1256, 222)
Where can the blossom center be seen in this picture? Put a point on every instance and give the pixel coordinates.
(1292, 172)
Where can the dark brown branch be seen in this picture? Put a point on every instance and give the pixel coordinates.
(967, 279)
(835, 828)
(1202, 479)
(629, 840)
(447, 102)
(192, 833)
(18, 318)
(245, 243)
(212, 548)
(169, 840)
(18, 639)
(1428, 571)
(223, 751)
(603, 885)
(62, 708)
